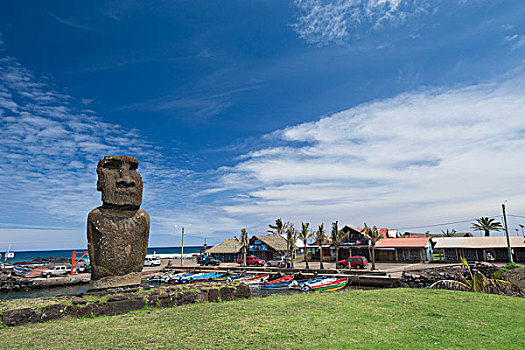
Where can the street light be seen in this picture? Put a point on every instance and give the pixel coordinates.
(523, 234)
(182, 244)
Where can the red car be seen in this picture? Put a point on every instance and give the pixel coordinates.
(253, 260)
(358, 262)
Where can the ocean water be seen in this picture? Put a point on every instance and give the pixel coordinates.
(23, 256)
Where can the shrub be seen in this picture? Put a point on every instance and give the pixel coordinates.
(511, 266)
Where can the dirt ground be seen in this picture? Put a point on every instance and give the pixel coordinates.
(516, 276)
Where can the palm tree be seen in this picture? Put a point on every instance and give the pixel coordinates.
(304, 235)
(486, 224)
(244, 242)
(337, 238)
(291, 238)
(320, 237)
(373, 235)
(279, 228)
(448, 233)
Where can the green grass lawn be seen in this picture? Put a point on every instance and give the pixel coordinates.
(354, 319)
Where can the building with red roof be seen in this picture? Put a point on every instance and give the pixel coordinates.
(404, 249)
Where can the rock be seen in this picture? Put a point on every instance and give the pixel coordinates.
(188, 298)
(227, 293)
(53, 312)
(167, 302)
(118, 231)
(213, 295)
(119, 307)
(201, 297)
(118, 297)
(21, 316)
(243, 292)
(78, 301)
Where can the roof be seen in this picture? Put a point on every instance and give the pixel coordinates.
(276, 242)
(229, 246)
(478, 242)
(382, 231)
(412, 242)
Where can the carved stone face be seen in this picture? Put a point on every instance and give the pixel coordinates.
(119, 181)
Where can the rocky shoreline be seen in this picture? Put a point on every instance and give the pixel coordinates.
(426, 277)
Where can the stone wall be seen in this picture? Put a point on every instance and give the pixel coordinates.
(111, 303)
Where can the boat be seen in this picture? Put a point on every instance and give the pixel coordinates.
(278, 283)
(329, 287)
(23, 271)
(309, 286)
(298, 285)
(250, 280)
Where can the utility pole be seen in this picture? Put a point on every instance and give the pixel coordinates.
(507, 233)
(182, 247)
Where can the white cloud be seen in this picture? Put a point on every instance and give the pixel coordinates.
(419, 158)
(49, 149)
(334, 21)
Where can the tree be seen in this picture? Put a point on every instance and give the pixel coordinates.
(487, 224)
(320, 237)
(448, 233)
(279, 228)
(337, 238)
(244, 242)
(373, 235)
(291, 238)
(304, 235)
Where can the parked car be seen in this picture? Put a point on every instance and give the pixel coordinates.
(358, 262)
(83, 267)
(279, 261)
(205, 260)
(253, 260)
(152, 262)
(60, 270)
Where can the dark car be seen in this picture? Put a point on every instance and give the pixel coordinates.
(358, 262)
(208, 260)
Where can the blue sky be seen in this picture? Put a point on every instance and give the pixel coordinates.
(398, 113)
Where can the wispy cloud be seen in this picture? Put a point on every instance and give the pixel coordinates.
(70, 23)
(416, 158)
(200, 106)
(324, 22)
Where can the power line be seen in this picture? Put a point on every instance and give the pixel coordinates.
(444, 224)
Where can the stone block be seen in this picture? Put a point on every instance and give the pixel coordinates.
(53, 312)
(119, 307)
(21, 316)
(227, 293)
(243, 292)
(213, 295)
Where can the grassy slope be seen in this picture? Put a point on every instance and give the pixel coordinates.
(378, 319)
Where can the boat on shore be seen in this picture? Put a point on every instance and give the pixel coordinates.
(299, 285)
(251, 280)
(331, 286)
(312, 285)
(278, 283)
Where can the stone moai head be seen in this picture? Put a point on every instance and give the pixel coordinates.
(119, 181)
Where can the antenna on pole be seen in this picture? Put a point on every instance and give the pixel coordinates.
(507, 232)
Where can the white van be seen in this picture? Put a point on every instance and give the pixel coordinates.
(152, 262)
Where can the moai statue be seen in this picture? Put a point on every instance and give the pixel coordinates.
(118, 231)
